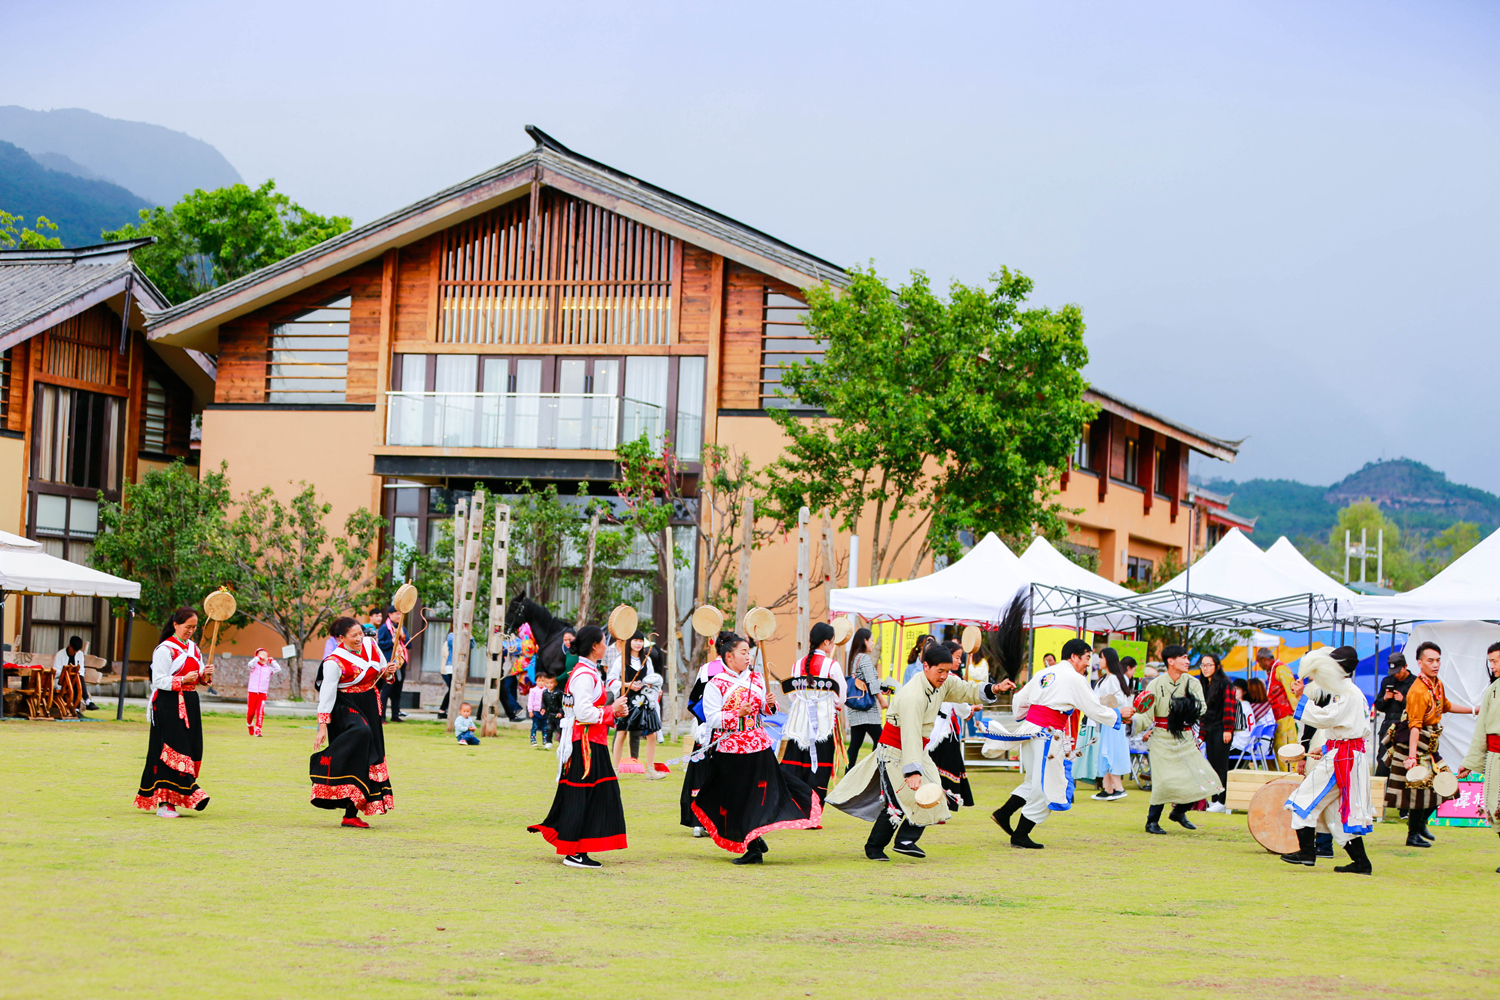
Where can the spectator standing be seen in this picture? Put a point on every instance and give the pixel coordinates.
(1114, 741)
(257, 686)
(864, 723)
(1391, 702)
(388, 641)
(1217, 724)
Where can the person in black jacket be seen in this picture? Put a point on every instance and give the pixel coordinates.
(1391, 702)
(385, 638)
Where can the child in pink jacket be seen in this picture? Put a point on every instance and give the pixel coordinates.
(259, 684)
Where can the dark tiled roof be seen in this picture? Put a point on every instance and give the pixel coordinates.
(38, 285)
(1207, 444)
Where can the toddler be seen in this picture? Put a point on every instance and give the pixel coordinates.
(536, 705)
(463, 726)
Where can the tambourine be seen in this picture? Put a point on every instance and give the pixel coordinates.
(930, 795)
(1292, 751)
(1144, 702)
(843, 628)
(404, 599)
(971, 638)
(220, 606)
(1445, 783)
(760, 623)
(1418, 774)
(623, 621)
(707, 621)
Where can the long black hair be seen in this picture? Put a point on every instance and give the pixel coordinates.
(178, 617)
(859, 644)
(1111, 660)
(917, 647)
(585, 639)
(960, 658)
(1182, 714)
(1213, 690)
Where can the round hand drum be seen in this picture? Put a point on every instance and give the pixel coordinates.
(1445, 783)
(1270, 822)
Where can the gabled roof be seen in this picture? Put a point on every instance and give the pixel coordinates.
(41, 288)
(195, 323)
(1204, 444)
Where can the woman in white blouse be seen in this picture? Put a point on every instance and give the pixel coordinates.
(174, 754)
(1114, 741)
(351, 774)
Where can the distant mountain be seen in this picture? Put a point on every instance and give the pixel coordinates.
(1417, 497)
(81, 208)
(156, 163)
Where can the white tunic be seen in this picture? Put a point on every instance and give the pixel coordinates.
(1317, 802)
(810, 717)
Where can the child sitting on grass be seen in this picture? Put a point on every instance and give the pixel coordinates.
(536, 704)
(463, 726)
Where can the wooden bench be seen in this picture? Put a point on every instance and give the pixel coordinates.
(1243, 785)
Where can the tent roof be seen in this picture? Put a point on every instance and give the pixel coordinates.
(25, 568)
(1286, 557)
(1468, 589)
(1051, 567)
(973, 591)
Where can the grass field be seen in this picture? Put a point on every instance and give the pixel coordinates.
(263, 896)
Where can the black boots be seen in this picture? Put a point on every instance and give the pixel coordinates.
(1153, 820)
(1178, 815)
(1416, 829)
(1307, 852)
(754, 851)
(1022, 836)
(1359, 860)
(1005, 812)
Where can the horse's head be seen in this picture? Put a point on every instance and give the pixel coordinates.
(515, 613)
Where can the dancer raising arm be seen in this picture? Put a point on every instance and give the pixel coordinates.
(350, 774)
(174, 755)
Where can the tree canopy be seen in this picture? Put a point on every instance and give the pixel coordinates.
(941, 416)
(15, 236)
(211, 237)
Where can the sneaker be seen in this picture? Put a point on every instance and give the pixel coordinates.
(581, 861)
(91, 707)
(698, 831)
(546, 746)
(1102, 796)
(165, 811)
(1217, 807)
(1116, 796)
(910, 850)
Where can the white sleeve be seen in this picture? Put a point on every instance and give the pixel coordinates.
(161, 668)
(653, 679)
(1020, 702)
(59, 661)
(1087, 702)
(275, 667)
(613, 683)
(837, 673)
(328, 691)
(713, 707)
(584, 691)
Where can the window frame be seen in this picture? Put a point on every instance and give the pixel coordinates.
(271, 350)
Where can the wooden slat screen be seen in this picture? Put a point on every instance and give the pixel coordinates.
(5, 386)
(79, 346)
(590, 277)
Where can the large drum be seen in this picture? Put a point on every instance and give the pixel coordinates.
(1270, 821)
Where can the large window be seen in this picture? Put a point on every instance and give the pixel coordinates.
(66, 528)
(645, 399)
(1132, 470)
(688, 438)
(1137, 569)
(309, 358)
(77, 437)
(784, 341)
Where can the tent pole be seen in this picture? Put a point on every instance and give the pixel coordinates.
(125, 661)
(1030, 630)
(3, 596)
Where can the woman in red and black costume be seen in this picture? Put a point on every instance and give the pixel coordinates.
(744, 792)
(817, 689)
(175, 753)
(351, 774)
(586, 813)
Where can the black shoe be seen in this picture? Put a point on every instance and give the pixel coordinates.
(1306, 852)
(1323, 852)
(1298, 858)
(1415, 840)
(759, 844)
(91, 707)
(1426, 836)
(910, 850)
(1359, 861)
(876, 854)
(1154, 828)
(1180, 818)
(748, 858)
(581, 861)
(1002, 815)
(444, 715)
(1022, 836)
(202, 804)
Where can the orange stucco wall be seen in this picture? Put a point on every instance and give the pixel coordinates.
(1119, 526)
(12, 511)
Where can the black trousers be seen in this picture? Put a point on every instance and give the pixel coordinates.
(390, 696)
(448, 681)
(883, 830)
(508, 697)
(1217, 752)
(857, 736)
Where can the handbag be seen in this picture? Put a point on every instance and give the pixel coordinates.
(860, 701)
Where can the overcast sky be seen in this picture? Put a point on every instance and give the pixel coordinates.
(1280, 220)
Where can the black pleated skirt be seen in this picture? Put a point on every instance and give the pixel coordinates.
(174, 754)
(586, 812)
(948, 755)
(351, 770)
(692, 779)
(798, 764)
(743, 795)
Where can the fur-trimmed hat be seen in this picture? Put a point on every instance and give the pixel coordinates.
(1348, 658)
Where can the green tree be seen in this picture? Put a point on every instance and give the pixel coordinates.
(166, 534)
(942, 416)
(1450, 543)
(293, 575)
(211, 237)
(14, 234)
(1402, 565)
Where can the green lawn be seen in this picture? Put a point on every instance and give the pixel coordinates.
(263, 896)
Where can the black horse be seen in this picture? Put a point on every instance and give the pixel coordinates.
(546, 628)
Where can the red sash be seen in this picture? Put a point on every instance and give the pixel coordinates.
(891, 736)
(1343, 766)
(1049, 718)
(1492, 743)
(1160, 723)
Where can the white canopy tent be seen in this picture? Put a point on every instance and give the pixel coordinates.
(1468, 589)
(27, 569)
(978, 588)
(1050, 568)
(1285, 557)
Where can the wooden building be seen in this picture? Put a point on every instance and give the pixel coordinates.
(516, 326)
(85, 405)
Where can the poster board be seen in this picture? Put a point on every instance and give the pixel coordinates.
(1130, 647)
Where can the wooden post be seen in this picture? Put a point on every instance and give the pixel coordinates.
(747, 538)
(495, 669)
(802, 545)
(460, 539)
(828, 581)
(584, 591)
(670, 717)
(463, 614)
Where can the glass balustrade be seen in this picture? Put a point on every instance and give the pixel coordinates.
(547, 420)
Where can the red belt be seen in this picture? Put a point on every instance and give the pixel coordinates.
(891, 736)
(1161, 723)
(1492, 743)
(1051, 718)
